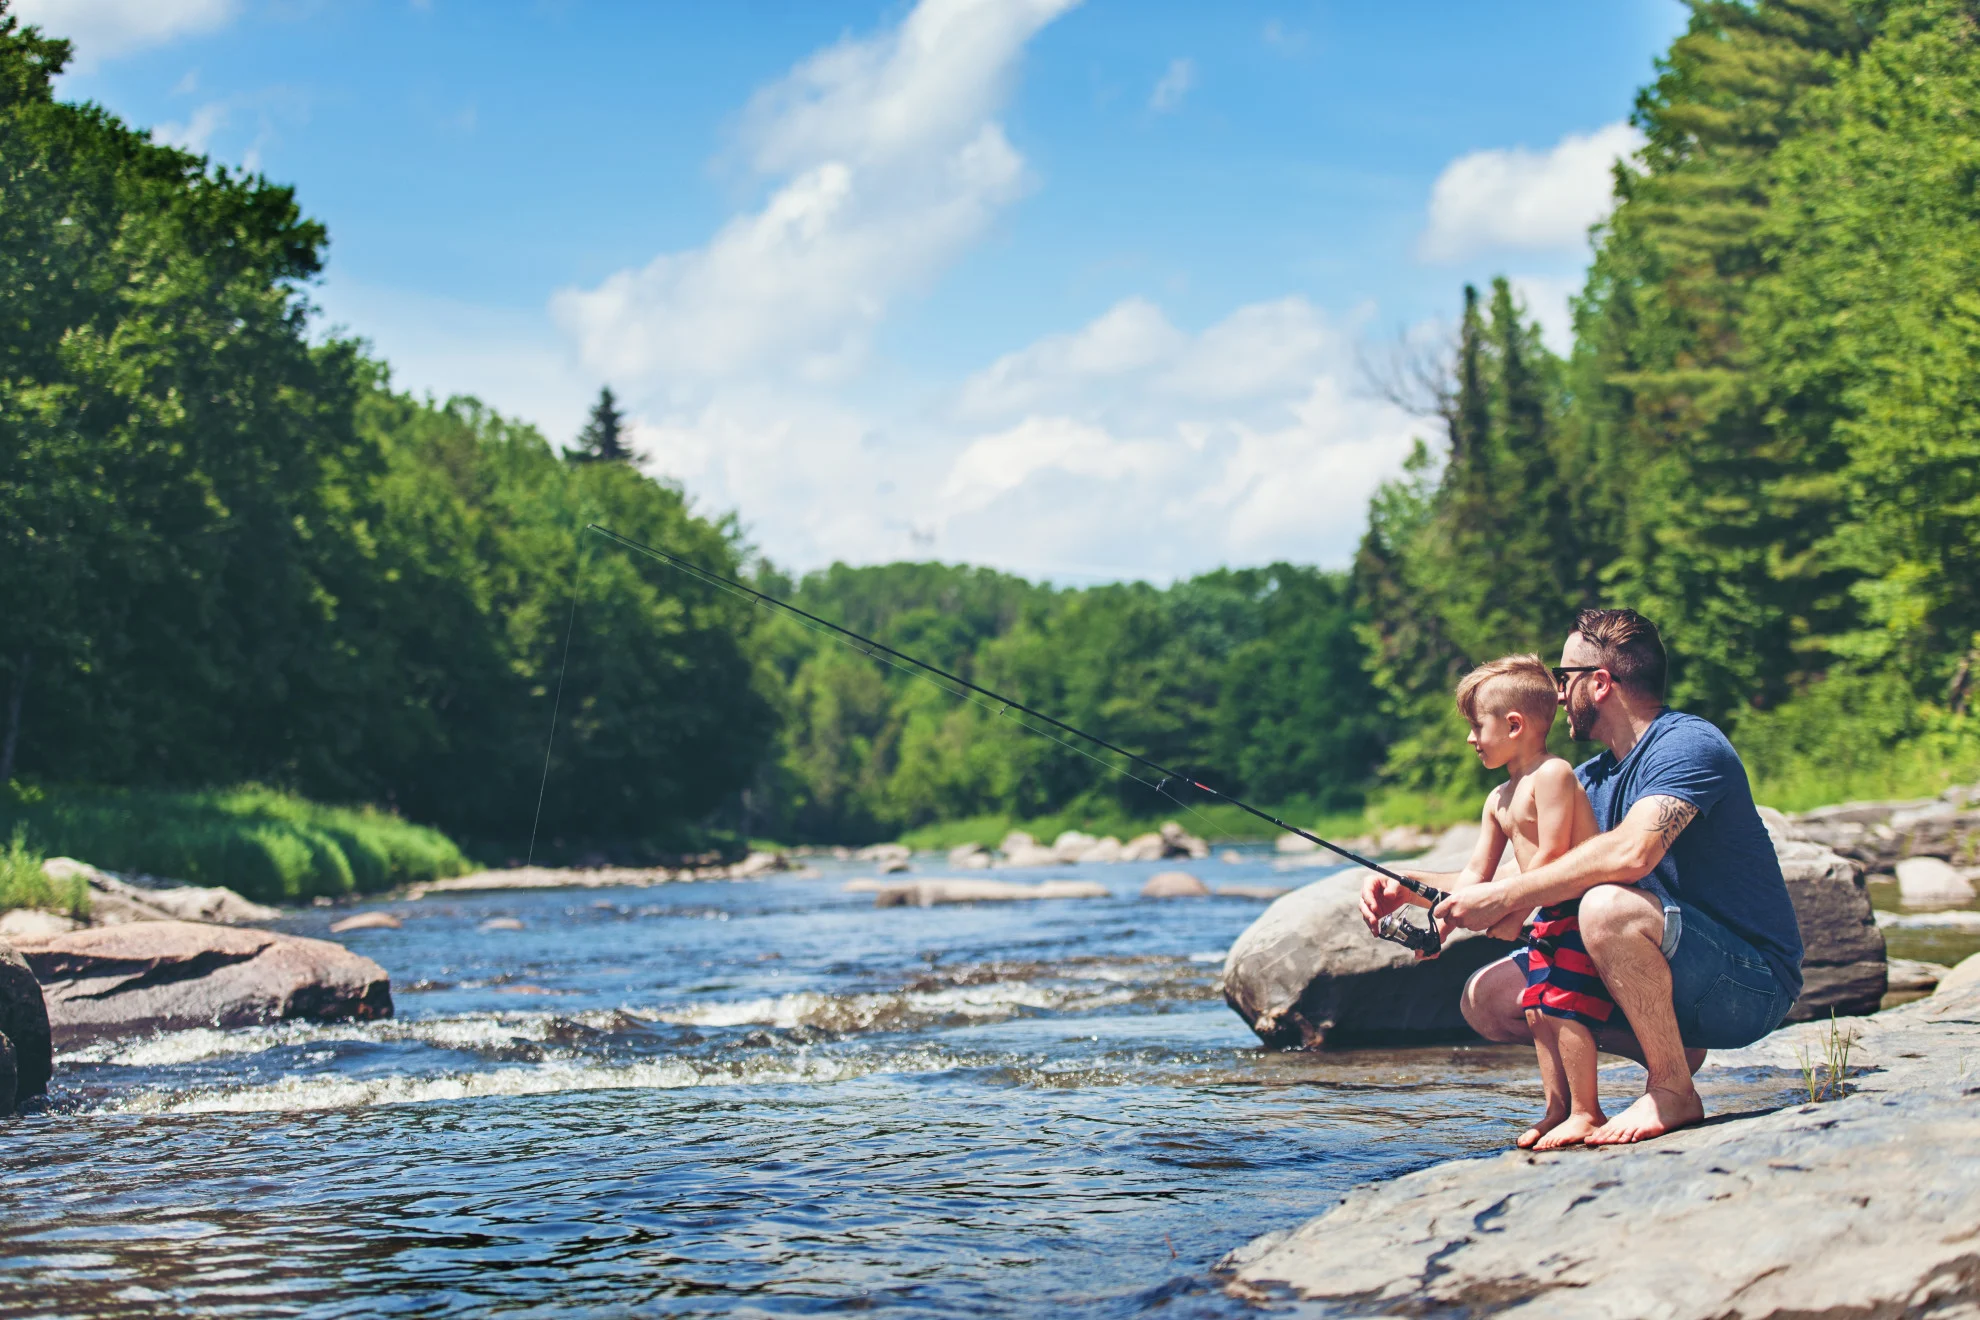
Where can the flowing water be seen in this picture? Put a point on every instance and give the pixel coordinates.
(731, 1098)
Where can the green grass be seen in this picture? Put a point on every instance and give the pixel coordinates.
(23, 884)
(270, 846)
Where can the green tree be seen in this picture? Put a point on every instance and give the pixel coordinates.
(602, 439)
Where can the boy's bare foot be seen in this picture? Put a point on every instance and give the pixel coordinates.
(1548, 1122)
(1571, 1131)
(1656, 1111)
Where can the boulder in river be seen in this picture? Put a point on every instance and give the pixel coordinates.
(24, 1022)
(1020, 849)
(1144, 848)
(366, 921)
(1307, 972)
(970, 857)
(1930, 881)
(1102, 850)
(1174, 884)
(930, 893)
(168, 975)
(1071, 845)
(882, 852)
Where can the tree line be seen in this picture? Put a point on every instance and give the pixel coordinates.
(231, 552)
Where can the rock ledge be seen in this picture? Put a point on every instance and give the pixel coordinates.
(1864, 1206)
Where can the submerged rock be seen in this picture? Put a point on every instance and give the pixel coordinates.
(1174, 884)
(1867, 1205)
(169, 975)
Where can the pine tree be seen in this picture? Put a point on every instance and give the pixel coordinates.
(600, 441)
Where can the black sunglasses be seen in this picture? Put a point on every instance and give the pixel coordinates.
(1561, 673)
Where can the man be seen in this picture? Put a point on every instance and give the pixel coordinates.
(1683, 909)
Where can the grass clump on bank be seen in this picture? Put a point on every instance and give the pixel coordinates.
(267, 845)
(23, 884)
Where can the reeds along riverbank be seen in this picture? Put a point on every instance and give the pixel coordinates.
(266, 845)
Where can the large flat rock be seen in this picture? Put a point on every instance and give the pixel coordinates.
(167, 975)
(1868, 1205)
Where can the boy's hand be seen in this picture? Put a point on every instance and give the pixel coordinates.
(1475, 907)
(1379, 897)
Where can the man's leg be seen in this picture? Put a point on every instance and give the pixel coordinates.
(1623, 929)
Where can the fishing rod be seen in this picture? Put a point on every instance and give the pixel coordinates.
(1392, 927)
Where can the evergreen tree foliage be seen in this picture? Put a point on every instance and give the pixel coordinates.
(601, 440)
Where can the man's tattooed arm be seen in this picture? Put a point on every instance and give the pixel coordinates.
(1667, 819)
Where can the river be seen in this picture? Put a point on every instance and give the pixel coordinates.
(728, 1099)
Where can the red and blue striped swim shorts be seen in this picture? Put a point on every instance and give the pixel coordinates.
(1560, 978)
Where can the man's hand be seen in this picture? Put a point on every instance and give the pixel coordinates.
(1475, 907)
(1379, 897)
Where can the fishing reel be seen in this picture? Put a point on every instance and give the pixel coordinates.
(1396, 929)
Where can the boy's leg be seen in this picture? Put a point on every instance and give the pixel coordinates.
(1553, 1078)
(1574, 1048)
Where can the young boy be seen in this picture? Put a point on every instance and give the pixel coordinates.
(1510, 704)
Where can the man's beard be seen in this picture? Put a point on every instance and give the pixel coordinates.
(1580, 717)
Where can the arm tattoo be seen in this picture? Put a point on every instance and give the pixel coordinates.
(1672, 816)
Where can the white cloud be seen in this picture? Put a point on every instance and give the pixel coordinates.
(196, 134)
(1546, 298)
(890, 165)
(105, 29)
(1515, 198)
(1173, 86)
(1126, 447)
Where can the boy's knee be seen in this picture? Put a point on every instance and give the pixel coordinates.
(1488, 1010)
(1614, 912)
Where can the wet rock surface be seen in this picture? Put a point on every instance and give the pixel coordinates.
(167, 975)
(24, 1022)
(1867, 1205)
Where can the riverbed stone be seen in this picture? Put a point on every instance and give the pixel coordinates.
(970, 857)
(1862, 1206)
(24, 1022)
(169, 975)
(1174, 884)
(1931, 881)
(1107, 849)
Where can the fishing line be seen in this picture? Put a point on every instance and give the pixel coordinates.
(556, 704)
(975, 692)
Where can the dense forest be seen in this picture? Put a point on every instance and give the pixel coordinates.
(231, 552)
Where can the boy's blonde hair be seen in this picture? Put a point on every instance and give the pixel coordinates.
(1512, 682)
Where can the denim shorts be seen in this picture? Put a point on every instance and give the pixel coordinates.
(1724, 992)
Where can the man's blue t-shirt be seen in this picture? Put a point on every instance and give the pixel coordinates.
(1723, 862)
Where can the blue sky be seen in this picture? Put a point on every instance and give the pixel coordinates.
(1077, 289)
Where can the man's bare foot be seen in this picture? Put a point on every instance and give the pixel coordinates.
(1656, 1111)
(1571, 1131)
(1550, 1120)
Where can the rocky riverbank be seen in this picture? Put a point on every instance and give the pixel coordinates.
(1863, 1206)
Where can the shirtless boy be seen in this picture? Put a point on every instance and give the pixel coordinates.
(1542, 811)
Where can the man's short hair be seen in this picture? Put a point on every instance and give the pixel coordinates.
(1631, 650)
(1512, 682)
